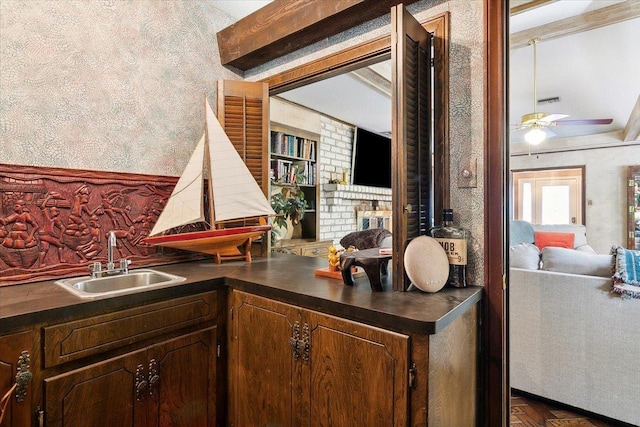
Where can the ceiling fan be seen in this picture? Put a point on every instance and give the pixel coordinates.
(537, 121)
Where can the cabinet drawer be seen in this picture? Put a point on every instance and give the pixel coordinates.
(290, 250)
(319, 250)
(81, 338)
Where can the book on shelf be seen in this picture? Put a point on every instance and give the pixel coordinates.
(308, 169)
(282, 170)
(292, 146)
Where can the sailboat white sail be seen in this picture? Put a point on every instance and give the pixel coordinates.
(234, 191)
(185, 205)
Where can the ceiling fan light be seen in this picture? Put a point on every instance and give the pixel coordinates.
(535, 136)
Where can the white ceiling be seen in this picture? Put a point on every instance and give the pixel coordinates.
(348, 99)
(594, 73)
(239, 8)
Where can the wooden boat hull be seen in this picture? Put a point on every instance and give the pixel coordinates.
(222, 243)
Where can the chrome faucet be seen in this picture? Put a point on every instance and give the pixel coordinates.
(112, 242)
(96, 267)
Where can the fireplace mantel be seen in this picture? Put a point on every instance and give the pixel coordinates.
(336, 192)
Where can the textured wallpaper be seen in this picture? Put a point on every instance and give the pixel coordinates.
(114, 85)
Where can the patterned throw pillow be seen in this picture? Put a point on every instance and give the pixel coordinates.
(626, 279)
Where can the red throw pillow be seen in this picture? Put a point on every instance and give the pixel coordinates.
(558, 240)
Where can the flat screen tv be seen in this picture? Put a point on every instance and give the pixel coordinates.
(371, 160)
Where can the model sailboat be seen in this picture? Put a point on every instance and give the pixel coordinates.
(233, 194)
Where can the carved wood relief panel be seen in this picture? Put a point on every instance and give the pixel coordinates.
(53, 222)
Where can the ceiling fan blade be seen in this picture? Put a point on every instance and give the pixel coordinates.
(585, 122)
(552, 118)
(549, 132)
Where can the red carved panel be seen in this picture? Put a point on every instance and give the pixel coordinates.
(54, 222)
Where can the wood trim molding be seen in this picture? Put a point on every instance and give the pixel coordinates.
(439, 27)
(357, 56)
(284, 26)
(588, 21)
(495, 337)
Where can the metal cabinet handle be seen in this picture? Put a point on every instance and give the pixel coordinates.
(300, 346)
(141, 383)
(305, 343)
(154, 378)
(23, 375)
(294, 341)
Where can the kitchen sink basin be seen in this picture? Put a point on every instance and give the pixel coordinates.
(135, 280)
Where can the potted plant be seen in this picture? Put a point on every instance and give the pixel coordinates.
(289, 204)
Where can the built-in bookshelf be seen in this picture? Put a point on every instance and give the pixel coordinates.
(294, 152)
(291, 155)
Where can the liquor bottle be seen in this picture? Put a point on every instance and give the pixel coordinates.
(454, 241)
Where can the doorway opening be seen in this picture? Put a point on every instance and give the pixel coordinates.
(549, 196)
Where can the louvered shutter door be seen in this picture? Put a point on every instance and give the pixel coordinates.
(243, 112)
(411, 164)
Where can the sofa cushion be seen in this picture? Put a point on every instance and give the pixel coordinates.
(558, 240)
(520, 232)
(587, 249)
(524, 255)
(570, 261)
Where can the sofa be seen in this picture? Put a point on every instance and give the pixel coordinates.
(571, 339)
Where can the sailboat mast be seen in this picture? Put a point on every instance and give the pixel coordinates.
(207, 165)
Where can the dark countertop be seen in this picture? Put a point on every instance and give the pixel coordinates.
(286, 278)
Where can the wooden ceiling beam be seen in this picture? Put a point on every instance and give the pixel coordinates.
(527, 5)
(632, 129)
(373, 80)
(588, 21)
(284, 26)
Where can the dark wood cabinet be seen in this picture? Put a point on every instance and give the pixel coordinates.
(184, 393)
(248, 355)
(357, 374)
(261, 366)
(292, 366)
(149, 365)
(16, 351)
(168, 384)
(97, 395)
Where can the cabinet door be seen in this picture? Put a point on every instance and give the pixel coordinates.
(357, 374)
(102, 394)
(11, 346)
(182, 380)
(262, 369)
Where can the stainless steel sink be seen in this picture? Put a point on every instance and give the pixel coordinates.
(135, 280)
